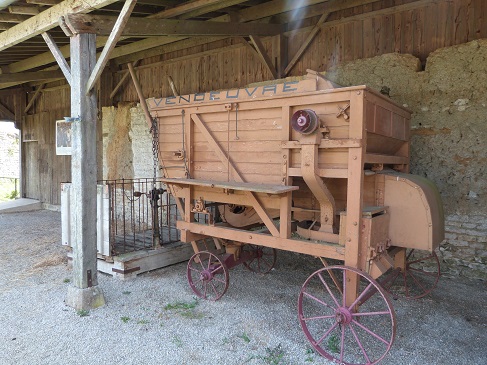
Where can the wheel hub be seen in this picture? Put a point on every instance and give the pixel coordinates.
(206, 275)
(343, 315)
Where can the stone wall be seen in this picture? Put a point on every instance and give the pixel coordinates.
(449, 135)
(127, 143)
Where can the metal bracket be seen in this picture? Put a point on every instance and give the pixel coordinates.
(343, 111)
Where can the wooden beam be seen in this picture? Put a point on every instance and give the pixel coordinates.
(5, 26)
(30, 76)
(142, 27)
(34, 98)
(259, 46)
(122, 80)
(111, 42)
(58, 56)
(226, 161)
(13, 18)
(25, 10)
(43, 2)
(47, 20)
(6, 113)
(83, 176)
(138, 88)
(306, 43)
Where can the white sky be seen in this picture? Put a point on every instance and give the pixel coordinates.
(7, 127)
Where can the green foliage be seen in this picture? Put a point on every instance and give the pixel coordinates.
(83, 313)
(142, 321)
(334, 344)
(273, 356)
(181, 305)
(177, 341)
(66, 280)
(244, 337)
(185, 309)
(125, 319)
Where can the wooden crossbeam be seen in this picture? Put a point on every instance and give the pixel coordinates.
(261, 51)
(111, 42)
(6, 112)
(13, 18)
(306, 43)
(58, 56)
(25, 10)
(225, 159)
(46, 20)
(43, 2)
(122, 80)
(142, 27)
(30, 76)
(34, 98)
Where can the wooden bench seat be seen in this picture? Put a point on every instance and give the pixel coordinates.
(233, 185)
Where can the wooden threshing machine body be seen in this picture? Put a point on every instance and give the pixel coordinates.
(305, 167)
(340, 191)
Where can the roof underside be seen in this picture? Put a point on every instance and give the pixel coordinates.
(22, 23)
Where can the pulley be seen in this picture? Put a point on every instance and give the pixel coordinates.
(305, 121)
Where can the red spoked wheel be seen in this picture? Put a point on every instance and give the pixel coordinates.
(355, 330)
(207, 275)
(263, 258)
(419, 278)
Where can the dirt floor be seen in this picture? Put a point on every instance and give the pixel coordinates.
(155, 319)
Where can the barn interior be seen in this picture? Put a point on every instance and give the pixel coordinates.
(426, 55)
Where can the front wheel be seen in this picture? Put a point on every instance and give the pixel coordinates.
(207, 275)
(358, 329)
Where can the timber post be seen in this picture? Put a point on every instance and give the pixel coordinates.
(84, 293)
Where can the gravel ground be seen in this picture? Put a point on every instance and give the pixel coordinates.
(254, 323)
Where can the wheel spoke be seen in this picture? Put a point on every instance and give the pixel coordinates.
(266, 262)
(201, 263)
(318, 317)
(360, 314)
(370, 332)
(215, 270)
(326, 333)
(421, 259)
(344, 293)
(434, 274)
(409, 255)
(417, 282)
(342, 343)
(220, 281)
(328, 289)
(361, 296)
(360, 344)
(193, 269)
(214, 288)
(318, 300)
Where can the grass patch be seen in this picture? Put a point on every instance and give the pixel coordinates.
(66, 281)
(244, 337)
(142, 321)
(177, 341)
(334, 344)
(273, 356)
(125, 319)
(83, 313)
(185, 309)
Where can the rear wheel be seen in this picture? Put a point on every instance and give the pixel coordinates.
(419, 277)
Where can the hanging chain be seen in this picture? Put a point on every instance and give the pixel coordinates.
(186, 170)
(155, 148)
